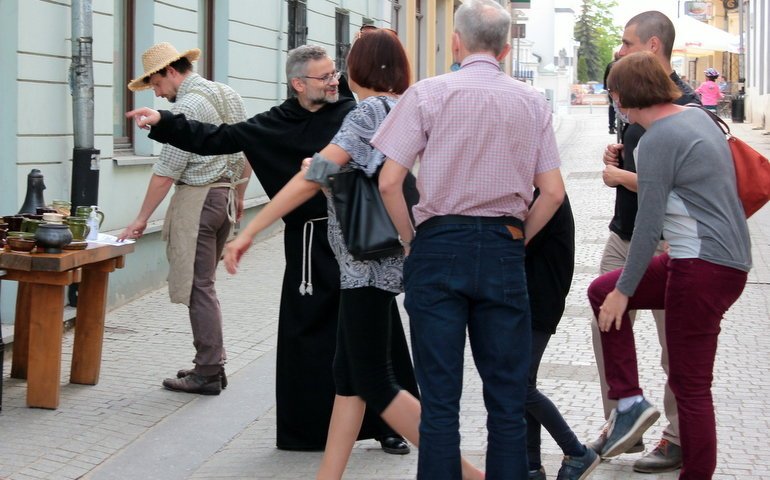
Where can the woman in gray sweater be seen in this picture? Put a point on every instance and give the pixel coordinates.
(687, 194)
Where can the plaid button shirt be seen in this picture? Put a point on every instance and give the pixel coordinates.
(200, 99)
(481, 137)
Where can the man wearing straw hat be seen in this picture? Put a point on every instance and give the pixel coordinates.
(207, 200)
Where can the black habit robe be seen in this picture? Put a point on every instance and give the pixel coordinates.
(275, 142)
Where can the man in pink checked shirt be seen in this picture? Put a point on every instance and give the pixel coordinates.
(484, 140)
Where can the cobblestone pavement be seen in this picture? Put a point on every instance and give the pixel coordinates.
(128, 427)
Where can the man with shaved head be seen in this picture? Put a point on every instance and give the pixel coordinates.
(647, 31)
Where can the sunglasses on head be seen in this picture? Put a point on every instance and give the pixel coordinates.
(370, 28)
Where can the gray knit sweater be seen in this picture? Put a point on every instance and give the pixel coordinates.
(687, 193)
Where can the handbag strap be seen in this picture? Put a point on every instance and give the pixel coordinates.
(385, 104)
(716, 118)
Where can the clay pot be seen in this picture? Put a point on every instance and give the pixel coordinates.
(52, 236)
(50, 217)
(14, 222)
(20, 244)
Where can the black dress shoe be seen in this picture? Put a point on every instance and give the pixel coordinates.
(194, 383)
(612, 131)
(394, 444)
(222, 376)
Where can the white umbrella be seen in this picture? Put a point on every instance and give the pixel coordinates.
(695, 38)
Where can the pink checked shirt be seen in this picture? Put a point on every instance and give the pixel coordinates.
(481, 137)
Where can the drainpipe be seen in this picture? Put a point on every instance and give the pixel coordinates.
(279, 64)
(85, 159)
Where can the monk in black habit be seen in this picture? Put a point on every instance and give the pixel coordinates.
(275, 143)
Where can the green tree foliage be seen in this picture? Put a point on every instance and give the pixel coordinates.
(582, 70)
(598, 36)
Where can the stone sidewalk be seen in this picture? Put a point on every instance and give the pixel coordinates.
(128, 427)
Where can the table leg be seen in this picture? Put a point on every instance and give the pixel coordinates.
(45, 344)
(89, 324)
(21, 332)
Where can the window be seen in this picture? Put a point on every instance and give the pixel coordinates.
(342, 40)
(297, 23)
(122, 67)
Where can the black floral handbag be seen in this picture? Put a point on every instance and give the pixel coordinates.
(366, 226)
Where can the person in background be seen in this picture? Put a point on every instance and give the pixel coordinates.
(687, 194)
(363, 373)
(709, 91)
(207, 200)
(648, 31)
(307, 322)
(483, 139)
(724, 87)
(550, 263)
(611, 108)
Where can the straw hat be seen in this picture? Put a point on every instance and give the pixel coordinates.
(158, 57)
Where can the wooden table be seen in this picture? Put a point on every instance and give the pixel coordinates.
(39, 324)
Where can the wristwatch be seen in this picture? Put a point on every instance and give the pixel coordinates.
(406, 243)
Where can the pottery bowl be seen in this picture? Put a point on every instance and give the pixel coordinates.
(24, 235)
(20, 244)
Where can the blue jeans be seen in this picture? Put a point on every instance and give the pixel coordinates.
(458, 277)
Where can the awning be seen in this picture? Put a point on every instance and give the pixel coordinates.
(695, 38)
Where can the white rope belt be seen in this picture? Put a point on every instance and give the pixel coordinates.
(306, 286)
(232, 211)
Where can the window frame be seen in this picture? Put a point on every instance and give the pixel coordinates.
(297, 28)
(125, 142)
(341, 40)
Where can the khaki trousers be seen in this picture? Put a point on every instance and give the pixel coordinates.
(613, 258)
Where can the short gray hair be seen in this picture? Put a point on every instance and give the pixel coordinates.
(296, 63)
(483, 26)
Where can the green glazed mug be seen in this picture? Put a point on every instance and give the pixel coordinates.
(79, 228)
(84, 211)
(30, 225)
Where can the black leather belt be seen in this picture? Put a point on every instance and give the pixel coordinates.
(515, 226)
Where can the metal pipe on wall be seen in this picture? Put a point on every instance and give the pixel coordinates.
(279, 64)
(85, 158)
(82, 73)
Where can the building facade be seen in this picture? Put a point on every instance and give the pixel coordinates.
(745, 67)
(244, 44)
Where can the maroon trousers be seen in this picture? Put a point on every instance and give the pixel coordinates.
(695, 294)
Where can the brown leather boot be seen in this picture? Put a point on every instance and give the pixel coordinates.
(222, 375)
(194, 383)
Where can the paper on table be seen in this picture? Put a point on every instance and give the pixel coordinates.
(105, 239)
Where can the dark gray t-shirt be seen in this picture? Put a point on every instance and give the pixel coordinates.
(687, 193)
